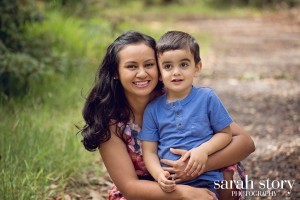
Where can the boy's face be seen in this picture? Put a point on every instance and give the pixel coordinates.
(178, 68)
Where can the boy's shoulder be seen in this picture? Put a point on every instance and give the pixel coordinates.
(157, 101)
(203, 89)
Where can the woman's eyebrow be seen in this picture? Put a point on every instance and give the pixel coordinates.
(150, 60)
(130, 62)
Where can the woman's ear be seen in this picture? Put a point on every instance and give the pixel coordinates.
(116, 77)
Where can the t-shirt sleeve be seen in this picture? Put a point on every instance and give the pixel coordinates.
(218, 115)
(149, 130)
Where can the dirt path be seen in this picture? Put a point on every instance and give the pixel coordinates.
(254, 65)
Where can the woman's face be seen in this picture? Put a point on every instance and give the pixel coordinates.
(138, 72)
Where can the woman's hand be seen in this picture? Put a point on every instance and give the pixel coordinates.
(191, 193)
(177, 167)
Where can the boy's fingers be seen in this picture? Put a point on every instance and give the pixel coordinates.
(167, 175)
(188, 167)
(167, 186)
(189, 164)
(201, 170)
(167, 181)
(185, 157)
(192, 169)
(197, 170)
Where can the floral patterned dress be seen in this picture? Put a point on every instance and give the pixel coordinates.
(134, 149)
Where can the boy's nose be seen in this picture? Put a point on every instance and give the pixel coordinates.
(176, 71)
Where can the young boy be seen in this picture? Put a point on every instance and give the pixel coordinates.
(186, 117)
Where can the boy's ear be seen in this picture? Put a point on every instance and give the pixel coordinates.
(198, 68)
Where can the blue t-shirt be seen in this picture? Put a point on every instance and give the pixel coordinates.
(185, 124)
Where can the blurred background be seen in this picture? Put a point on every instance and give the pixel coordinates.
(51, 49)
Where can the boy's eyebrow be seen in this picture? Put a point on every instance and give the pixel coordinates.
(182, 60)
(185, 59)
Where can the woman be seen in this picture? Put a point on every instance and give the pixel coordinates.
(126, 82)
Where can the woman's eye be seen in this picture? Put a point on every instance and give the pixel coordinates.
(131, 67)
(149, 65)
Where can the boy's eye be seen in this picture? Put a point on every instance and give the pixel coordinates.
(184, 65)
(167, 67)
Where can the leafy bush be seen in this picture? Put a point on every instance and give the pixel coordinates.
(15, 66)
(13, 16)
(33, 47)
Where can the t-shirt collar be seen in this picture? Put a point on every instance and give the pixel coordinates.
(181, 102)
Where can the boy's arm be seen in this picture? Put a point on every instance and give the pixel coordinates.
(220, 140)
(199, 155)
(151, 158)
(153, 165)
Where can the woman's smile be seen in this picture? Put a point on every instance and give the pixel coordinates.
(141, 84)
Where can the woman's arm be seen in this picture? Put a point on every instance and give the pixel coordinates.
(238, 149)
(120, 168)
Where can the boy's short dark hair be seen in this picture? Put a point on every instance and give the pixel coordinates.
(174, 40)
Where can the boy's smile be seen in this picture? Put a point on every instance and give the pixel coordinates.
(178, 69)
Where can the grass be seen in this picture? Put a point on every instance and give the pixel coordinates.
(39, 148)
(39, 145)
(38, 142)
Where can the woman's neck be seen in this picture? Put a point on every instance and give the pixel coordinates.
(138, 105)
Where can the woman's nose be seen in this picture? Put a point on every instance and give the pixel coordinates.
(141, 73)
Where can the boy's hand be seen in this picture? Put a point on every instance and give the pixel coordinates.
(165, 184)
(198, 158)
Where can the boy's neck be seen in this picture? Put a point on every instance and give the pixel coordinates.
(174, 96)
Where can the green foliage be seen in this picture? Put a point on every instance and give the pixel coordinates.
(39, 146)
(32, 49)
(16, 66)
(13, 16)
(15, 70)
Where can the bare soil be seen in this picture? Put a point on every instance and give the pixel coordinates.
(254, 66)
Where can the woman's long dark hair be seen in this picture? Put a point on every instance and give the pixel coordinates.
(107, 101)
